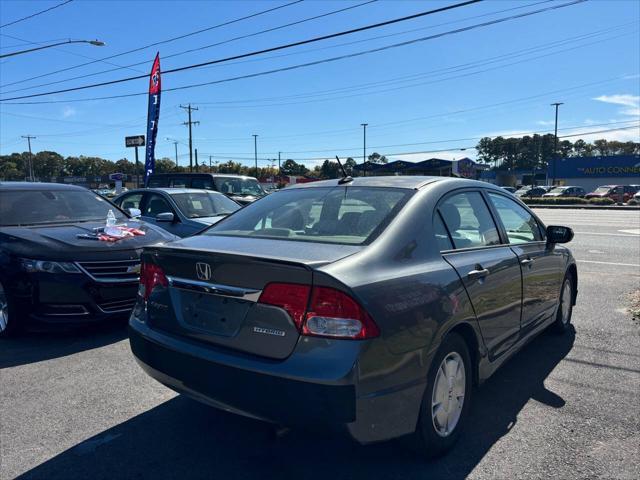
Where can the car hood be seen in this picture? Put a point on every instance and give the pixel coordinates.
(244, 200)
(61, 242)
(594, 194)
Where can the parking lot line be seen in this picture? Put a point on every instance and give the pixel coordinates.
(611, 263)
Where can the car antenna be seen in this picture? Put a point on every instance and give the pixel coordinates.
(345, 178)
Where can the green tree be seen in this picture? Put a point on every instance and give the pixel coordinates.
(375, 157)
(291, 167)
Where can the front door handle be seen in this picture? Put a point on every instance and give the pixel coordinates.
(526, 261)
(478, 273)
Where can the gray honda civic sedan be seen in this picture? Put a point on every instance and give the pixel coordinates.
(369, 305)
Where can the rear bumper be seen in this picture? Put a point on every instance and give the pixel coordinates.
(308, 389)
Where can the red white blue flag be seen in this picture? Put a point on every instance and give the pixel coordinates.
(153, 115)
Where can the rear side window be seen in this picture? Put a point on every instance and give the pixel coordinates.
(203, 183)
(342, 215)
(440, 231)
(468, 220)
(519, 224)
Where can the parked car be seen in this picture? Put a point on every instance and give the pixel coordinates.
(370, 304)
(530, 192)
(181, 211)
(239, 188)
(566, 191)
(48, 274)
(612, 192)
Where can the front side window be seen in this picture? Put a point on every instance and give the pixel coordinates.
(342, 215)
(130, 201)
(156, 205)
(468, 221)
(519, 224)
(39, 207)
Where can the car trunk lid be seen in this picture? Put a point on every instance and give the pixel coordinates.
(212, 296)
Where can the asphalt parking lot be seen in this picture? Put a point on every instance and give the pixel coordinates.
(77, 405)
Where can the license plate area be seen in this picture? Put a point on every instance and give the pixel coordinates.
(210, 313)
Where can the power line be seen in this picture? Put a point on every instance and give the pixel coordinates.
(35, 14)
(293, 67)
(270, 49)
(161, 42)
(165, 57)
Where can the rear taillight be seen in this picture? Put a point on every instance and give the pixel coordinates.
(151, 276)
(290, 296)
(333, 313)
(330, 312)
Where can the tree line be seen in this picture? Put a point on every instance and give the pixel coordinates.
(500, 153)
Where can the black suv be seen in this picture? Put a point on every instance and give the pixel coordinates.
(239, 188)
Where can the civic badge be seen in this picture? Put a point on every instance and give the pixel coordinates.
(203, 271)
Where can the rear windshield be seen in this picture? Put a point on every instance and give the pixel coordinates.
(38, 207)
(205, 204)
(343, 215)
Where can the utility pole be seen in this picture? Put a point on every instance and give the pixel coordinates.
(175, 144)
(210, 163)
(364, 148)
(29, 138)
(555, 144)
(279, 162)
(189, 109)
(255, 151)
(196, 159)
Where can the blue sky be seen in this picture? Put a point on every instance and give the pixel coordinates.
(433, 95)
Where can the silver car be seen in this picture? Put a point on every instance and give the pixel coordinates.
(181, 211)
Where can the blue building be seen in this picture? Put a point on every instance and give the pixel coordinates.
(591, 172)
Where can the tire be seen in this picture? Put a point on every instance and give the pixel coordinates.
(441, 408)
(8, 325)
(565, 306)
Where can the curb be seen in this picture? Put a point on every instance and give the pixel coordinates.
(588, 207)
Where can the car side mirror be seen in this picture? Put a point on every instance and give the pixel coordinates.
(134, 212)
(559, 234)
(165, 217)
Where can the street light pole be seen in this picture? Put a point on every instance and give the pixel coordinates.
(364, 148)
(29, 137)
(555, 144)
(96, 43)
(255, 151)
(175, 144)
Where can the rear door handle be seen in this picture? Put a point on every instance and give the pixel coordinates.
(478, 273)
(526, 261)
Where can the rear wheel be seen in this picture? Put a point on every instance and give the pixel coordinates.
(7, 322)
(565, 306)
(446, 400)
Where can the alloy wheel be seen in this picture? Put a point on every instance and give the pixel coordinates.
(448, 394)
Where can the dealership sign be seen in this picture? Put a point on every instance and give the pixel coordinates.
(589, 167)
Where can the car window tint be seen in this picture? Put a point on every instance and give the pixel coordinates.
(156, 205)
(520, 225)
(351, 215)
(179, 182)
(204, 183)
(130, 201)
(440, 231)
(469, 221)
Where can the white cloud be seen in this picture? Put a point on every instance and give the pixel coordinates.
(545, 123)
(620, 99)
(68, 112)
